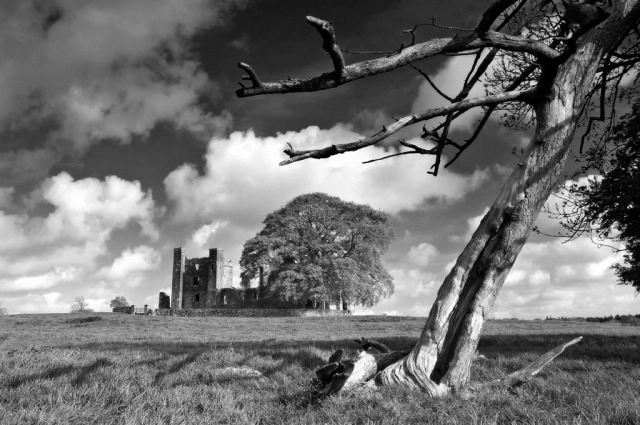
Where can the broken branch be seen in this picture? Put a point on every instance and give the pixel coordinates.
(329, 44)
(387, 131)
(405, 56)
(528, 372)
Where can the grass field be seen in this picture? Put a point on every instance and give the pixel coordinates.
(119, 369)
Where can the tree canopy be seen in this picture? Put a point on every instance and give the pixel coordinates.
(320, 248)
(119, 302)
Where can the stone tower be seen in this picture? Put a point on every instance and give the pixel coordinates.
(177, 282)
(197, 282)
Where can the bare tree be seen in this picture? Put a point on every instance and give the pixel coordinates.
(567, 59)
(80, 305)
(3, 310)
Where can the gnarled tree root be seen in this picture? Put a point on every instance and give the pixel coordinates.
(341, 375)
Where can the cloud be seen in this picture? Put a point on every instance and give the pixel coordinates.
(564, 279)
(89, 206)
(242, 43)
(6, 196)
(102, 70)
(27, 164)
(34, 303)
(449, 79)
(472, 225)
(41, 249)
(242, 182)
(130, 264)
(422, 254)
(242, 175)
(43, 281)
(201, 237)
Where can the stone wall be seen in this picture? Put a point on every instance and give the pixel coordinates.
(132, 309)
(250, 312)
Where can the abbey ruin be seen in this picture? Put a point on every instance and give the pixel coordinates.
(204, 287)
(205, 282)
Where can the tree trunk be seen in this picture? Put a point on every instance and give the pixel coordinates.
(441, 359)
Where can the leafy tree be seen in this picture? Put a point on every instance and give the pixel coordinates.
(80, 305)
(607, 207)
(318, 247)
(572, 56)
(119, 302)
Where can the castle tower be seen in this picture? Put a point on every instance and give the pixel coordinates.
(179, 259)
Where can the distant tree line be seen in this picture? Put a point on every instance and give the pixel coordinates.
(624, 318)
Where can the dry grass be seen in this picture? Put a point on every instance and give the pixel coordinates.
(120, 369)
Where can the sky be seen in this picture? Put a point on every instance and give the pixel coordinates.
(121, 138)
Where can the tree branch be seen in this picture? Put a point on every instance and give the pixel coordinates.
(521, 95)
(402, 58)
(493, 13)
(329, 44)
(426, 77)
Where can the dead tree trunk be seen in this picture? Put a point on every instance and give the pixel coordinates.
(441, 359)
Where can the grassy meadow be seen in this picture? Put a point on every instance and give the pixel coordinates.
(118, 369)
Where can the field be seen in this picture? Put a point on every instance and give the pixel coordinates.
(119, 369)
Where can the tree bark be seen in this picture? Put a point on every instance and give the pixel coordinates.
(441, 359)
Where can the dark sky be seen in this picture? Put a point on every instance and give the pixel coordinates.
(121, 137)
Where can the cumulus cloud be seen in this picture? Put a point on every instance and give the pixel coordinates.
(422, 254)
(549, 278)
(131, 263)
(564, 279)
(32, 303)
(242, 176)
(38, 282)
(102, 70)
(40, 251)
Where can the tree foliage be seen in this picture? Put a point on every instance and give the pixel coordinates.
(607, 206)
(119, 302)
(318, 247)
(80, 305)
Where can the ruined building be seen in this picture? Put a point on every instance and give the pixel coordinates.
(206, 283)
